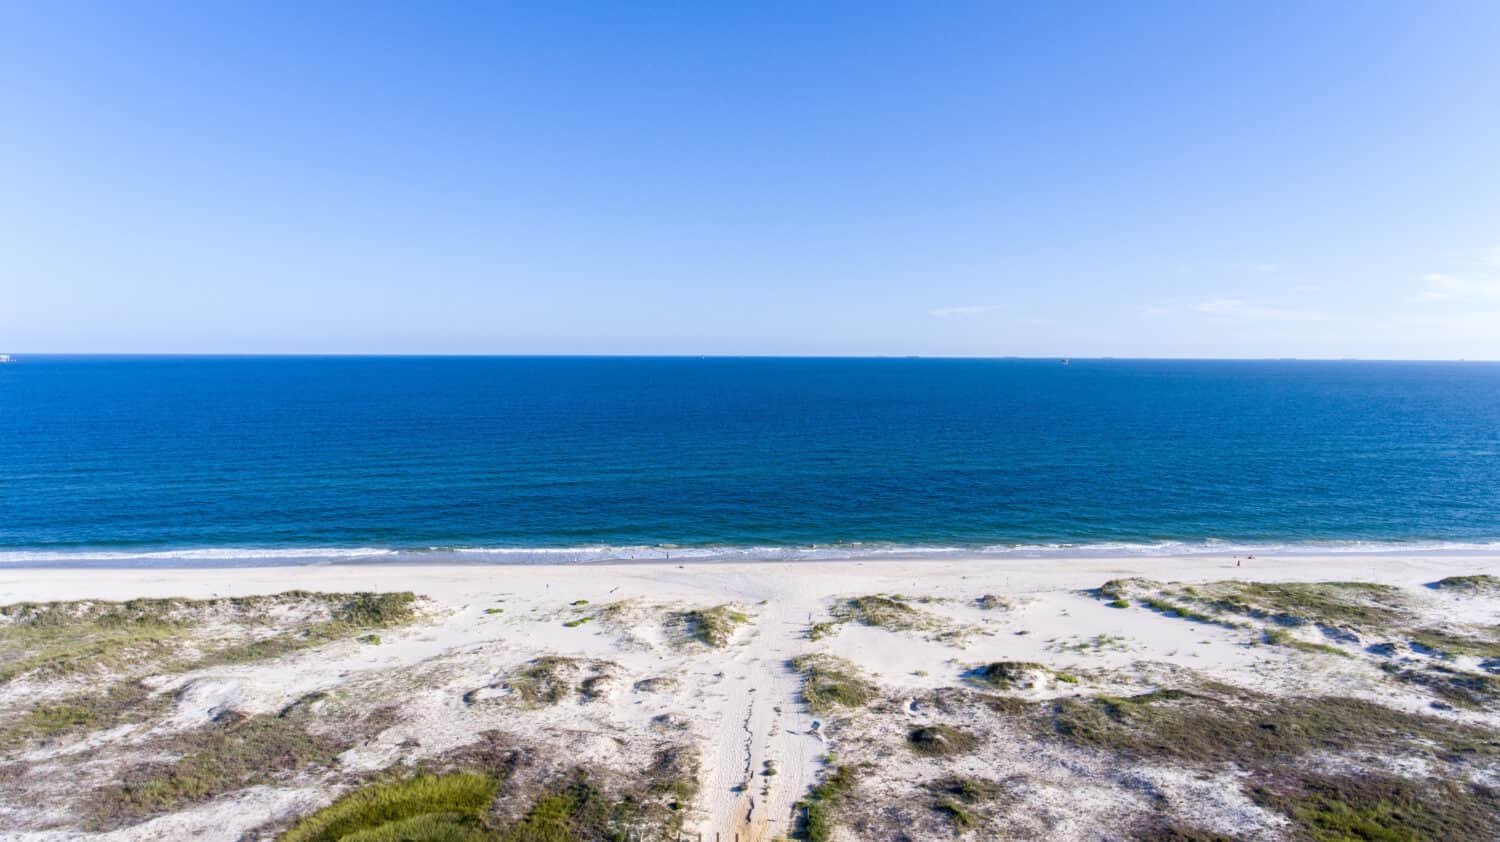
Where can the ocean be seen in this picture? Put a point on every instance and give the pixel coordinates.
(189, 461)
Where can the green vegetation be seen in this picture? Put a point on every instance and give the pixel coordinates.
(1230, 726)
(712, 627)
(1121, 589)
(995, 602)
(594, 687)
(893, 612)
(1279, 637)
(551, 679)
(62, 637)
(579, 812)
(1008, 675)
(886, 612)
(214, 760)
(1173, 609)
(1448, 644)
(458, 806)
(656, 684)
(426, 807)
(372, 639)
(1097, 643)
(578, 602)
(494, 610)
(820, 807)
(1465, 689)
(956, 813)
(349, 614)
(543, 681)
(967, 790)
(1478, 584)
(80, 713)
(128, 639)
(829, 683)
(1269, 736)
(818, 631)
(1359, 604)
(1377, 807)
(940, 740)
(955, 797)
(573, 624)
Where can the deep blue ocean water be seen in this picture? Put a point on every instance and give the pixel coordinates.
(244, 460)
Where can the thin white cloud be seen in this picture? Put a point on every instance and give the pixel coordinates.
(1240, 309)
(1444, 287)
(961, 312)
(1219, 305)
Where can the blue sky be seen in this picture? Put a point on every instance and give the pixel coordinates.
(1133, 179)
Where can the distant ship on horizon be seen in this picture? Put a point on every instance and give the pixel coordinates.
(5, 358)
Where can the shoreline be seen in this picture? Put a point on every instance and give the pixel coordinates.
(18, 583)
(695, 578)
(246, 558)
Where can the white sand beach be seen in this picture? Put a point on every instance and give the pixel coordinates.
(740, 706)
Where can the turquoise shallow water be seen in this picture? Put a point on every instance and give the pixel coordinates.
(268, 460)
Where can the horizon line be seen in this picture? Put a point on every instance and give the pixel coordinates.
(19, 356)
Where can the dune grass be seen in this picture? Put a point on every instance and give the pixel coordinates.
(81, 713)
(1481, 583)
(458, 806)
(1272, 738)
(1280, 637)
(427, 807)
(890, 612)
(1328, 808)
(819, 809)
(1007, 675)
(713, 627)
(830, 683)
(58, 638)
(211, 761)
(1449, 644)
(940, 740)
(1358, 604)
(551, 679)
(349, 615)
(1230, 726)
(543, 681)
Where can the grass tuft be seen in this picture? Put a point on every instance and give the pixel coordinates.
(712, 627)
(214, 760)
(426, 807)
(829, 683)
(940, 740)
(1381, 808)
(819, 809)
(1278, 637)
(1478, 584)
(885, 612)
(1008, 675)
